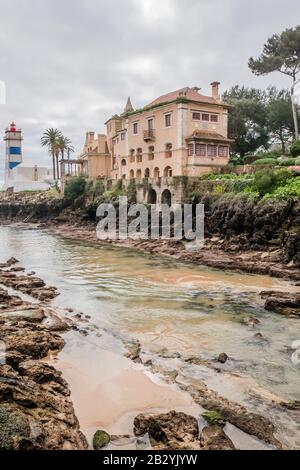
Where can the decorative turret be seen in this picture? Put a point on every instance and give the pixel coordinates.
(128, 108)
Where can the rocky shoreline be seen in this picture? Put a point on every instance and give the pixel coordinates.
(240, 235)
(36, 411)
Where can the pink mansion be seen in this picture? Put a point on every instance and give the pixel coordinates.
(182, 133)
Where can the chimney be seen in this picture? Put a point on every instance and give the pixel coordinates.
(91, 136)
(215, 90)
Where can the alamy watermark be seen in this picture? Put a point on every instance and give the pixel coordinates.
(144, 222)
(2, 92)
(296, 354)
(2, 353)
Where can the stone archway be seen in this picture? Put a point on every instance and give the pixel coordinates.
(152, 196)
(156, 172)
(166, 197)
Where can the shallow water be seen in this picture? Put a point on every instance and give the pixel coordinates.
(183, 308)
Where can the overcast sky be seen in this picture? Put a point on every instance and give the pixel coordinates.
(72, 64)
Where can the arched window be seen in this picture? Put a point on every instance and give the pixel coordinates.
(168, 171)
(123, 163)
(156, 172)
(168, 151)
(166, 197)
(131, 156)
(139, 174)
(151, 152)
(131, 174)
(152, 197)
(147, 173)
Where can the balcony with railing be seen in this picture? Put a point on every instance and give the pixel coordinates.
(149, 135)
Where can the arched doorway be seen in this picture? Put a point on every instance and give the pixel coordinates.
(166, 197)
(147, 173)
(152, 197)
(139, 175)
(156, 172)
(123, 163)
(168, 172)
(131, 174)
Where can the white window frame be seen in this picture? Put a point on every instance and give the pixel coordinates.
(171, 119)
(137, 127)
(153, 122)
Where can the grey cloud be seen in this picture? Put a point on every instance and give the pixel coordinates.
(71, 64)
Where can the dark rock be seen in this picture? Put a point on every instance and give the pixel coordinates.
(222, 358)
(100, 439)
(283, 303)
(133, 350)
(173, 430)
(214, 438)
(251, 321)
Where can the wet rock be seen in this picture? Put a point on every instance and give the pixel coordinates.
(30, 315)
(11, 261)
(222, 358)
(133, 350)
(291, 405)
(84, 332)
(17, 269)
(32, 286)
(214, 438)
(101, 439)
(14, 429)
(173, 430)
(251, 321)
(250, 423)
(32, 343)
(258, 335)
(283, 303)
(54, 323)
(35, 407)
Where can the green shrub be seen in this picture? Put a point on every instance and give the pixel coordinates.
(214, 417)
(74, 188)
(272, 154)
(291, 191)
(295, 148)
(297, 161)
(265, 161)
(283, 176)
(288, 162)
(131, 192)
(114, 193)
(264, 181)
(98, 188)
(219, 190)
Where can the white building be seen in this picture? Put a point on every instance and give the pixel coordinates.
(17, 175)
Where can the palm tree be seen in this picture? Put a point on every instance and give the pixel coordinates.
(64, 144)
(49, 139)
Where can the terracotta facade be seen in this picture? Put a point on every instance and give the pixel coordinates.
(182, 133)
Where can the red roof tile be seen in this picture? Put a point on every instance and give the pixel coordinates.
(188, 93)
(209, 135)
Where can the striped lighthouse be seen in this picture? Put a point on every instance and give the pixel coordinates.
(13, 138)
